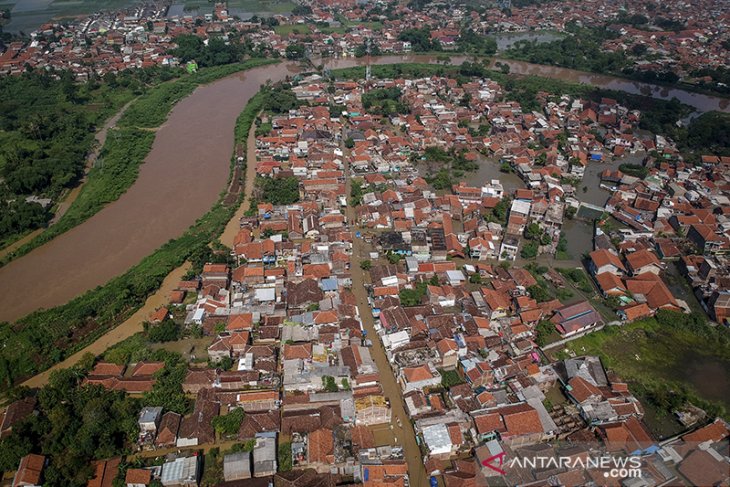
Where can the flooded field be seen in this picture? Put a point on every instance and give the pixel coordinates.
(180, 180)
(508, 39)
(700, 102)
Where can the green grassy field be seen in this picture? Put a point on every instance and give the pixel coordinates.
(284, 30)
(664, 365)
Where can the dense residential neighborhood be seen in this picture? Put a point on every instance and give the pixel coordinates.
(435, 274)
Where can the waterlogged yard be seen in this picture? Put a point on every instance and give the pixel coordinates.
(667, 361)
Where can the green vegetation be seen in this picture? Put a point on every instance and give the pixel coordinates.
(475, 43)
(420, 39)
(634, 170)
(75, 425)
(46, 337)
(229, 424)
(46, 131)
(710, 134)
(450, 378)
(125, 149)
(529, 250)
(329, 384)
(581, 50)
(167, 331)
(546, 333)
(295, 51)
(579, 278)
(539, 293)
(279, 98)
(655, 354)
(356, 192)
(413, 297)
(366, 265)
(216, 53)
(284, 456)
(278, 191)
(384, 101)
(167, 391)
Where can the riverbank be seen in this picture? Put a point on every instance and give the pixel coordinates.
(125, 330)
(120, 157)
(68, 328)
(233, 226)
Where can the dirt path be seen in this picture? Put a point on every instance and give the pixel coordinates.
(121, 332)
(249, 180)
(71, 196)
(404, 435)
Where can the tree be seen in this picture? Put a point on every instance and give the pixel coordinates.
(295, 51)
(230, 423)
(366, 265)
(329, 384)
(545, 329)
(529, 250)
(394, 258)
(538, 293)
(533, 231)
(167, 331)
(284, 456)
(278, 191)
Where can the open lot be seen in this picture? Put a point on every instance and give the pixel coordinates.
(674, 361)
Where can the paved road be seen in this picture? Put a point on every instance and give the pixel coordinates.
(405, 435)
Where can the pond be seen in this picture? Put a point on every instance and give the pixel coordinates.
(506, 40)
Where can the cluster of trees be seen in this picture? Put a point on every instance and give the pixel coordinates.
(279, 98)
(45, 132)
(581, 50)
(74, 426)
(420, 39)
(278, 191)
(710, 133)
(215, 53)
(329, 384)
(167, 331)
(385, 101)
(296, 51)
(635, 170)
(414, 297)
(472, 42)
(230, 423)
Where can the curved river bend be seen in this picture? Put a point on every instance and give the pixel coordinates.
(183, 176)
(180, 180)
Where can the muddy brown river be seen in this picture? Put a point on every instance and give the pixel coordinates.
(182, 177)
(180, 180)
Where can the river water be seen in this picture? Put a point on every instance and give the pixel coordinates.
(181, 179)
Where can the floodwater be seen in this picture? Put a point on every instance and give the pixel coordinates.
(180, 180)
(134, 324)
(506, 40)
(700, 102)
(708, 375)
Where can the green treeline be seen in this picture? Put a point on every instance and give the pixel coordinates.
(125, 149)
(47, 130)
(44, 338)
